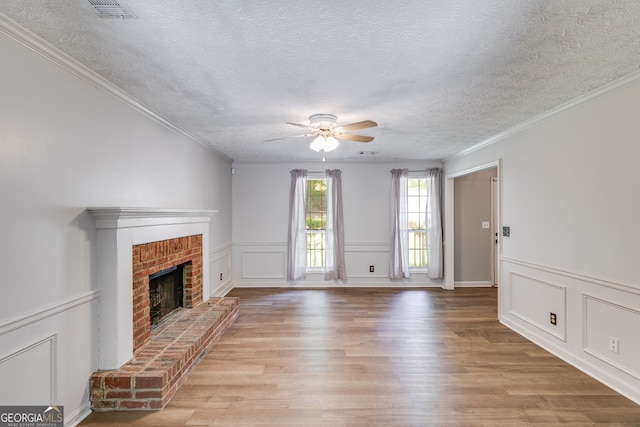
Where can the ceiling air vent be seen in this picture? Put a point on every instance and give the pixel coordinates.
(112, 9)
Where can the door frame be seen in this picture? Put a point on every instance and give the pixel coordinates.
(449, 216)
(495, 234)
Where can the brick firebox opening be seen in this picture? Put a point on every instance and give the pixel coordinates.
(149, 258)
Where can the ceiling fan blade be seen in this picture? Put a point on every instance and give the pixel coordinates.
(299, 125)
(358, 138)
(287, 137)
(357, 125)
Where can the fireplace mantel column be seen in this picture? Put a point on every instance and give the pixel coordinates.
(118, 230)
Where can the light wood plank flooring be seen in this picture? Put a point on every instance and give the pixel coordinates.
(380, 357)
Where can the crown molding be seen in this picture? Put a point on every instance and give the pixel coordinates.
(614, 86)
(66, 62)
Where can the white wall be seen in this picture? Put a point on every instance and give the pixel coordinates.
(569, 191)
(260, 206)
(66, 145)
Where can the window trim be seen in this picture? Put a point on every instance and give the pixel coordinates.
(410, 176)
(315, 176)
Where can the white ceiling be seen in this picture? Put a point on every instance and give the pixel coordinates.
(438, 76)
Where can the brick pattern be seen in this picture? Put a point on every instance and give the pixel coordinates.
(152, 257)
(150, 379)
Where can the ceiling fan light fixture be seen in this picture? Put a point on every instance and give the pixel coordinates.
(317, 144)
(325, 132)
(322, 121)
(323, 143)
(330, 143)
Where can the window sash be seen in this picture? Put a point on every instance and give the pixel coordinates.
(316, 248)
(417, 202)
(316, 220)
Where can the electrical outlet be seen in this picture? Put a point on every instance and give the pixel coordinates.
(614, 345)
(553, 319)
(371, 269)
(506, 231)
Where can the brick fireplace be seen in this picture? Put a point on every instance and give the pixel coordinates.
(149, 258)
(140, 368)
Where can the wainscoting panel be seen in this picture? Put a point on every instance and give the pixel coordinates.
(359, 263)
(29, 374)
(589, 312)
(263, 265)
(605, 321)
(220, 271)
(48, 355)
(534, 301)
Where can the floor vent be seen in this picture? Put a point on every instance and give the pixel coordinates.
(112, 9)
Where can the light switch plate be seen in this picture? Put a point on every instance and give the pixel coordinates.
(485, 224)
(506, 231)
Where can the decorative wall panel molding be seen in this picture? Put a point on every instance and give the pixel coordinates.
(605, 320)
(532, 300)
(53, 310)
(263, 265)
(29, 374)
(589, 311)
(627, 287)
(220, 270)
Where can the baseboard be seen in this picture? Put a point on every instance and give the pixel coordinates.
(336, 284)
(222, 290)
(473, 284)
(77, 416)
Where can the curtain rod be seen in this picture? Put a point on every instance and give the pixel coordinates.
(419, 170)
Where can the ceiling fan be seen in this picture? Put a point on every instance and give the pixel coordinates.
(327, 134)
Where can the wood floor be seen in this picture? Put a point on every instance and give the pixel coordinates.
(380, 357)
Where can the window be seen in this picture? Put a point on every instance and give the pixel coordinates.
(416, 206)
(316, 220)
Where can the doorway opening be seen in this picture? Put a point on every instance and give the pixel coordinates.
(472, 221)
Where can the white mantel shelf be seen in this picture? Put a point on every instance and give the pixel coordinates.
(124, 217)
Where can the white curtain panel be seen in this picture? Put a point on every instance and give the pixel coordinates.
(399, 259)
(334, 256)
(433, 224)
(297, 237)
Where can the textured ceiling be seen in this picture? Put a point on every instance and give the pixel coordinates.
(437, 76)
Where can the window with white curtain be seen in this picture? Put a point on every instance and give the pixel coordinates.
(316, 221)
(416, 223)
(417, 193)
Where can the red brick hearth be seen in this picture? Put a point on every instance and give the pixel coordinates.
(151, 378)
